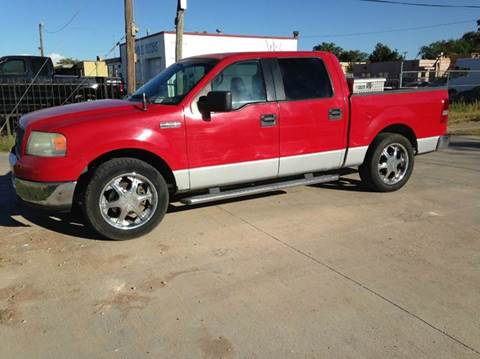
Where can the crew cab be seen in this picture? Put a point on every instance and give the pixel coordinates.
(221, 126)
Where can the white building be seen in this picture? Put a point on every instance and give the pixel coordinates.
(157, 51)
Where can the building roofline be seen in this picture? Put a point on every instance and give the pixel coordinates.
(218, 35)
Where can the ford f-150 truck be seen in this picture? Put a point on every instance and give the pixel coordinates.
(216, 127)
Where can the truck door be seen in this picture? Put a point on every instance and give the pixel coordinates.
(240, 145)
(13, 73)
(313, 116)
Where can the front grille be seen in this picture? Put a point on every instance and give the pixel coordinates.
(19, 139)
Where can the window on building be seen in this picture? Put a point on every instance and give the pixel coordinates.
(305, 78)
(12, 67)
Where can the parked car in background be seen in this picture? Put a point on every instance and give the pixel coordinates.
(464, 81)
(45, 87)
(221, 126)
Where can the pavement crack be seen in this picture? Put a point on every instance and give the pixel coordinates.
(356, 282)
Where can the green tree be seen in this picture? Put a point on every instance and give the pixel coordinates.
(67, 61)
(463, 47)
(353, 56)
(329, 47)
(384, 53)
(340, 53)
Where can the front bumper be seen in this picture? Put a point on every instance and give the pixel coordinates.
(52, 195)
(443, 142)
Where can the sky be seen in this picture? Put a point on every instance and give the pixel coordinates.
(87, 28)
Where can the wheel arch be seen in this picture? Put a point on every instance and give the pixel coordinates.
(141, 154)
(400, 129)
(149, 157)
(397, 128)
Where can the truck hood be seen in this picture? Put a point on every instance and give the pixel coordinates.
(57, 117)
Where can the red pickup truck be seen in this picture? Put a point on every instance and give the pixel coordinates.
(221, 126)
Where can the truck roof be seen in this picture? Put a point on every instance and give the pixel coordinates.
(243, 55)
(24, 57)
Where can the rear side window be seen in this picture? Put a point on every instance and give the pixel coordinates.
(305, 78)
(37, 65)
(12, 67)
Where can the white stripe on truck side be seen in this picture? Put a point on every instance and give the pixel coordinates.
(311, 162)
(355, 156)
(232, 173)
(428, 144)
(222, 175)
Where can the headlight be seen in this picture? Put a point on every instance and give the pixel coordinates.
(45, 144)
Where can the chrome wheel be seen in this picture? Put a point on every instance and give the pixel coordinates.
(128, 201)
(393, 163)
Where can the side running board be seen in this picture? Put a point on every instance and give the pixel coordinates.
(217, 195)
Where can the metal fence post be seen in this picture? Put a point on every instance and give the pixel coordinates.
(8, 127)
(400, 84)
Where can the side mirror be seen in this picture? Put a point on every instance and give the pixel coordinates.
(215, 101)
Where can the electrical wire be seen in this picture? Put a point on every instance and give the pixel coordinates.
(391, 30)
(66, 24)
(391, 2)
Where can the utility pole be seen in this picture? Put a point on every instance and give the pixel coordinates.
(130, 46)
(181, 7)
(40, 32)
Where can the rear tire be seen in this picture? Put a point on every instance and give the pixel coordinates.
(388, 164)
(125, 198)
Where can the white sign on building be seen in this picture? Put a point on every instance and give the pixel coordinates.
(157, 51)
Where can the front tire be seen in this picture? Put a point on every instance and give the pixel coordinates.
(125, 198)
(388, 164)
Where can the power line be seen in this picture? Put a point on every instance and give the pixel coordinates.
(392, 30)
(391, 2)
(64, 26)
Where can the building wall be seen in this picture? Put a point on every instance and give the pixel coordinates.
(94, 69)
(156, 52)
(201, 44)
(114, 66)
(150, 55)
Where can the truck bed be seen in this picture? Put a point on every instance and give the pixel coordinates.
(419, 109)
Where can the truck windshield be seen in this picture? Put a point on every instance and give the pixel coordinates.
(171, 85)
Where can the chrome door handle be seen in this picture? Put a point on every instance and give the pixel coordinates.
(268, 120)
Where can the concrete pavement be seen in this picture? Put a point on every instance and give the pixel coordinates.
(330, 271)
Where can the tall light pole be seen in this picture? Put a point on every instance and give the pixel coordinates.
(130, 46)
(40, 33)
(179, 25)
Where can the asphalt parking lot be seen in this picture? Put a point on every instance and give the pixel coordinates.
(330, 271)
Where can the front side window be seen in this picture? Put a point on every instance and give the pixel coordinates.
(174, 83)
(305, 78)
(12, 67)
(244, 80)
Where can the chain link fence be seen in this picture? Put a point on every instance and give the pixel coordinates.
(463, 85)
